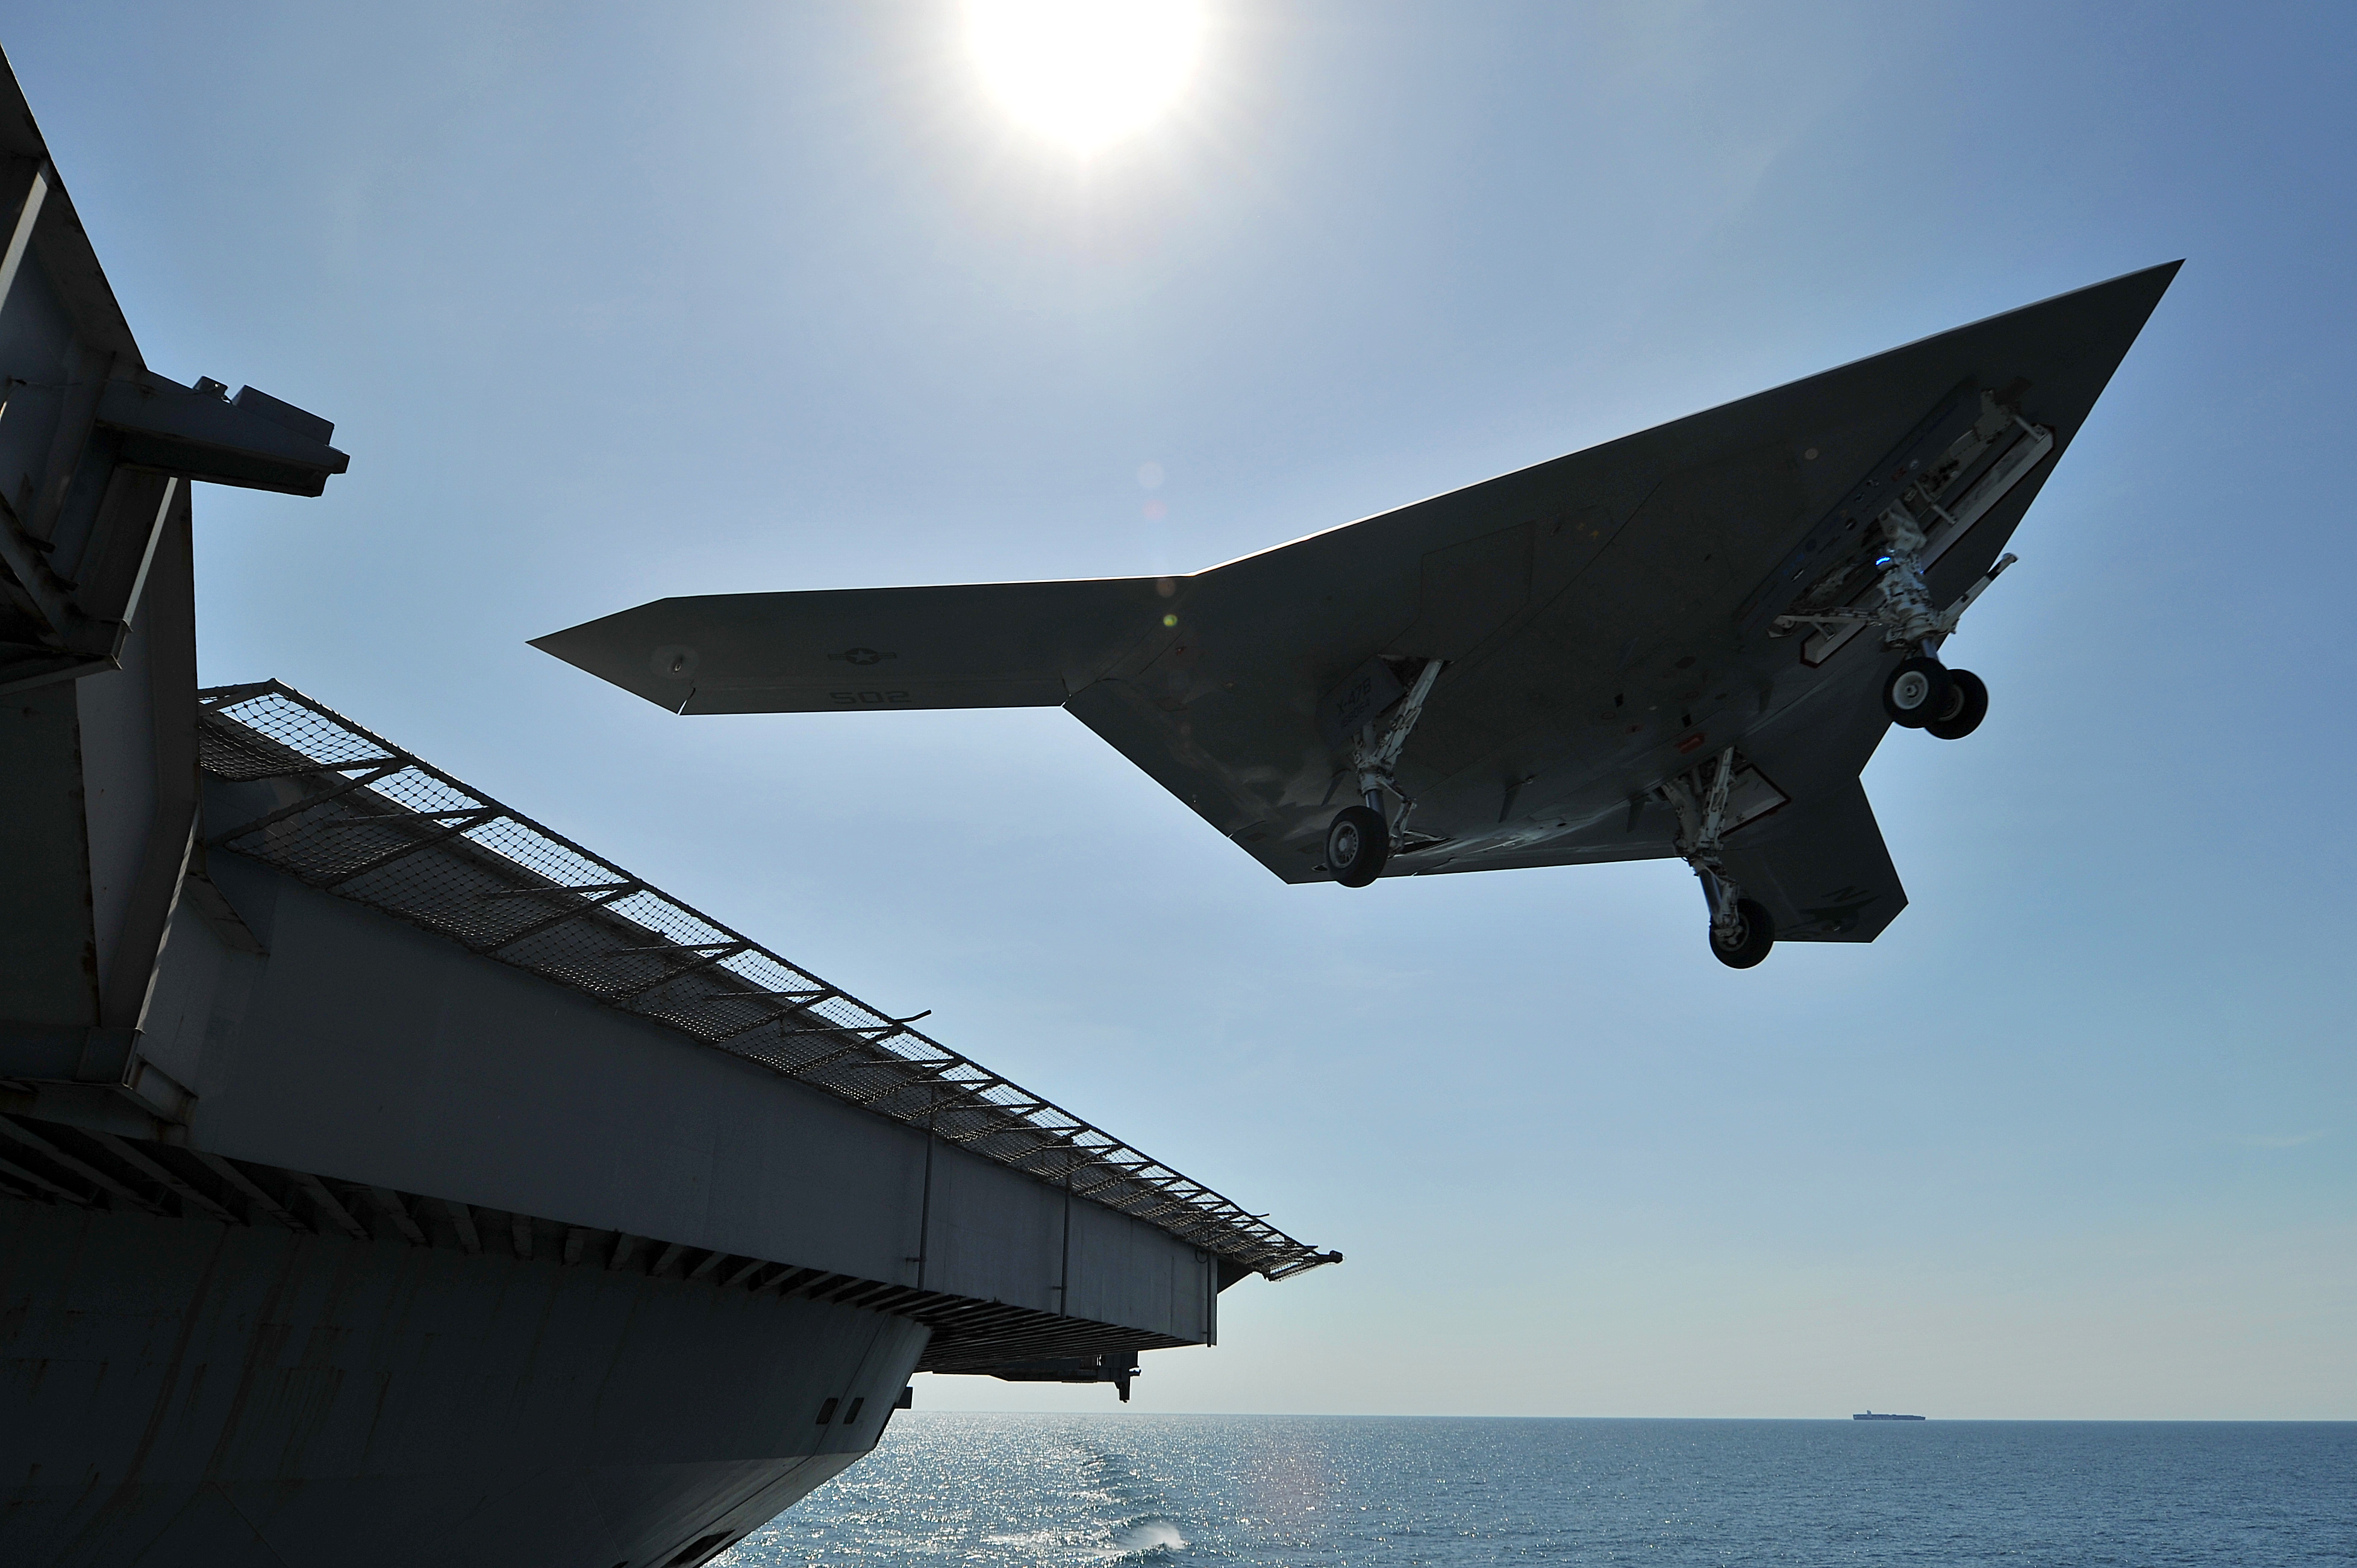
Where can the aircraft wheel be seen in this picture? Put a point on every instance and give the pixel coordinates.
(1966, 709)
(1747, 943)
(1357, 844)
(1916, 691)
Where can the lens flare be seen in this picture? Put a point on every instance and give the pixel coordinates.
(1085, 72)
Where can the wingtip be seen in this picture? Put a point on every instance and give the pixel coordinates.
(2156, 281)
(569, 647)
(2135, 295)
(555, 644)
(2157, 278)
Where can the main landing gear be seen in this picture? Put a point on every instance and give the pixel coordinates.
(1922, 692)
(1741, 929)
(1358, 841)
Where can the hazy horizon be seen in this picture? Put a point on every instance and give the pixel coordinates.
(1134, 1414)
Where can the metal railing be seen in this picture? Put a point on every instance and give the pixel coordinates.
(363, 819)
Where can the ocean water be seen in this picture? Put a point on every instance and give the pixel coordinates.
(1035, 1489)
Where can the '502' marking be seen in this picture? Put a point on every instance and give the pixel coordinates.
(867, 699)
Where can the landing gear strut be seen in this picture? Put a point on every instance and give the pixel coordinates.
(1741, 929)
(1358, 841)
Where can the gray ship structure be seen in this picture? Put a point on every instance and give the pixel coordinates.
(384, 1177)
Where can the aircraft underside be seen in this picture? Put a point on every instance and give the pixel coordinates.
(1685, 644)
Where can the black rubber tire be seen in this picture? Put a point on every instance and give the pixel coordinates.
(1966, 709)
(1358, 844)
(1918, 688)
(1750, 942)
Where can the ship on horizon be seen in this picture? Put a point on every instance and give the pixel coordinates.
(1882, 1415)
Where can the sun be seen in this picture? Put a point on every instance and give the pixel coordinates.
(1085, 72)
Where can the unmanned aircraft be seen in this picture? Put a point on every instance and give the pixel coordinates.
(1683, 644)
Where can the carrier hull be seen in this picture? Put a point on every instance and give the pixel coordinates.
(193, 1392)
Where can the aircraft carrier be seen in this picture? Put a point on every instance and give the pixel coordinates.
(384, 1177)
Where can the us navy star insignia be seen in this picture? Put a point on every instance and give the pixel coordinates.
(862, 656)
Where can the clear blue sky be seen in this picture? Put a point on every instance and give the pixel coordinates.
(614, 302)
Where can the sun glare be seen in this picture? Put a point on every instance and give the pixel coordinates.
(1085, 72)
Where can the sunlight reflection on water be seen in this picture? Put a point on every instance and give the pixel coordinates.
(1032, 1490)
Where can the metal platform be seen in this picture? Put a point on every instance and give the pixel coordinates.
(367, 821)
